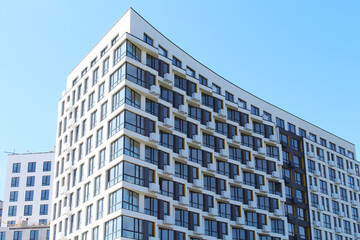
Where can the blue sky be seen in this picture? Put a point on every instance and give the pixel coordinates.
(269, 48)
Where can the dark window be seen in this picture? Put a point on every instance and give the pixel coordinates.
(302, 132)
(171, 141)
(215, 228)
(211, 102)
(16, 167)
(199, 114)
(31, 166)
(216, 88)
(200, 156)
(213, 142)
(203, 80)
(162, 51)
(157, 157)
(280, 123)
(255, 110)
(236, 116)
(190, 71)
(185, 85)
(239, 154)
(176, 62)
(47, 166)
(229, 96)
(291, 128)
(148, 39)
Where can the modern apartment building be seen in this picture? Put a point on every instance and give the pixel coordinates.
(151, 144)
(27, 196)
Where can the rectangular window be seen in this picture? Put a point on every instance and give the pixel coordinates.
(102, 158)
(103, 111)
(12, 211)
(229, 96)
(216, 88)
(280, 123)
(99, 208)
(176, 62)
(15, 182)
(215, 229)
(162, 51)
(148, 40)
(29, 195)
(190, 72)
(123, 198)
(16, 167)
(17, 235)
(44, 209)
(13, 196)
(45, 181)
(203, 80)
(47, 166)
(255, 110)
(31, 167)
(291, 128)
(106, 66)
(99, 137)
(125, 95)
(97, 185)
(28, 210)
(88, 218)
(44, 195)
(30, 181)
(127, 227)
(34, 234)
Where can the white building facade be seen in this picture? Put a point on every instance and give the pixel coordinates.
(27, 195)
(151, 144)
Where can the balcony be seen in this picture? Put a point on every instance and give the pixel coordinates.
(272, 138)
(317, 224)
(154, 137)
(223, 153)
(213, 212)
(183, 109)
(332, 163)
(197, 183)
(248, 127)
(198, 230)
(155, 90)
(168, 220)
(252, 204)
(240, 221)
(310, 155)
(263, 188)
(195, 97)
(169, 170)
(334, 196)
(236, 139)
(238, 179)
(196, 139)
(210, 126)
(278, 212)
(211, 167)
(350, 171)
(250, 164)
(266, 228)
(222, 113)
(154, 188)
(168, 123)
(168, 79)
(183, 200)
(183, 153)
(225, 194)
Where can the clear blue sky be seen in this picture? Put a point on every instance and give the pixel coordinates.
(266, 47)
